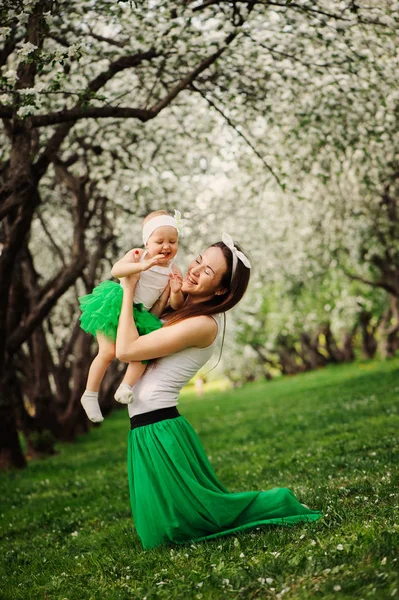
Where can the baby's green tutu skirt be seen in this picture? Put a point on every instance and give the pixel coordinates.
(177, 498)
(101, 310)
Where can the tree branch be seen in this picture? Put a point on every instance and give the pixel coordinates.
(5, 111)
(292, 56)
(95, 112)
(122, 63)
(110, 41)
(9, 46)
(52, 240)
(60, 134)
(91, 112)
(288, 6)
(12, 202)
(187, 81)
(244, 137)
(377, 284)
(66, 278)
(51, 149)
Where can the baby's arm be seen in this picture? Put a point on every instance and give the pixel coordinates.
(130, 263)
(160, 305)
(176, 298)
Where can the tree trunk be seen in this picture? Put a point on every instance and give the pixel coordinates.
(389, 329)
(263, 361)
(348, 354)
(369, 343)
(334, 353)
(314, 358)
(11, 454)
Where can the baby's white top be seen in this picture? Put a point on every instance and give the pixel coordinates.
(151, 284)
(161, 383)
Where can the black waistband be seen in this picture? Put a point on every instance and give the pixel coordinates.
(154, 417)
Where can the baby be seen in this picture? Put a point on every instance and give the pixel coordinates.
(101, 308)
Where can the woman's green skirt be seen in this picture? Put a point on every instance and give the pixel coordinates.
(176, 496)
(101, 310)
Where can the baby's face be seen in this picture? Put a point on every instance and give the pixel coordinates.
(164, 240)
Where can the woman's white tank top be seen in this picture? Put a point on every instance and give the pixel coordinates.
(161, 383)
(151, 284)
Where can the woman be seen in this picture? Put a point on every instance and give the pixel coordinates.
(175, 495)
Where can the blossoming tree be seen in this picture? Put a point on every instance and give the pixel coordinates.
(72, 74)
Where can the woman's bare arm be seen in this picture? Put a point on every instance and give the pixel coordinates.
(193, 332)
(198, 332)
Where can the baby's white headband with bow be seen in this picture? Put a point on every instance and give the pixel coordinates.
(161, 221)
(237, 254)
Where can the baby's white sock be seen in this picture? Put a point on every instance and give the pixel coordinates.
(89, 401)
(124, 394)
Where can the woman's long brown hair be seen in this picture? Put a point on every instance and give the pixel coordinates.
(220, 303)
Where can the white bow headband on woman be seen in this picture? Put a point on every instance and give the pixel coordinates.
(237, 255)
(162, 221)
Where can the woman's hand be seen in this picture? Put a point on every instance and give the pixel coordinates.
(130, 282)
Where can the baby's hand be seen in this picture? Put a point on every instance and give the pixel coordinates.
(176, 280)
(152, 261)
(133, 255)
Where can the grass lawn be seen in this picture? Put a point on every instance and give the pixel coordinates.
(331, 436)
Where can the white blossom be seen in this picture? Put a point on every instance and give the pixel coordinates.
(49, 18)
(11, 76)
(22, 18)
(25, 111)
(4, 33)
(26, 49)
(29, 4)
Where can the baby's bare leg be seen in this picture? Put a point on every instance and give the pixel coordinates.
(89, 400)
(105, 355)
(133, 373)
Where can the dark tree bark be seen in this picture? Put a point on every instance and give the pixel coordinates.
(289, 358)
(369, 342)
(331, 347)
(384, 262)
(313, 358)
(264, 360)
(11, 454)
(389, 329)
(347, 350)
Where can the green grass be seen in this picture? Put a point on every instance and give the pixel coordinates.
(331, 436)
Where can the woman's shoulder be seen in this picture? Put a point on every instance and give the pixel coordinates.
(209, 321)
(205, 326)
